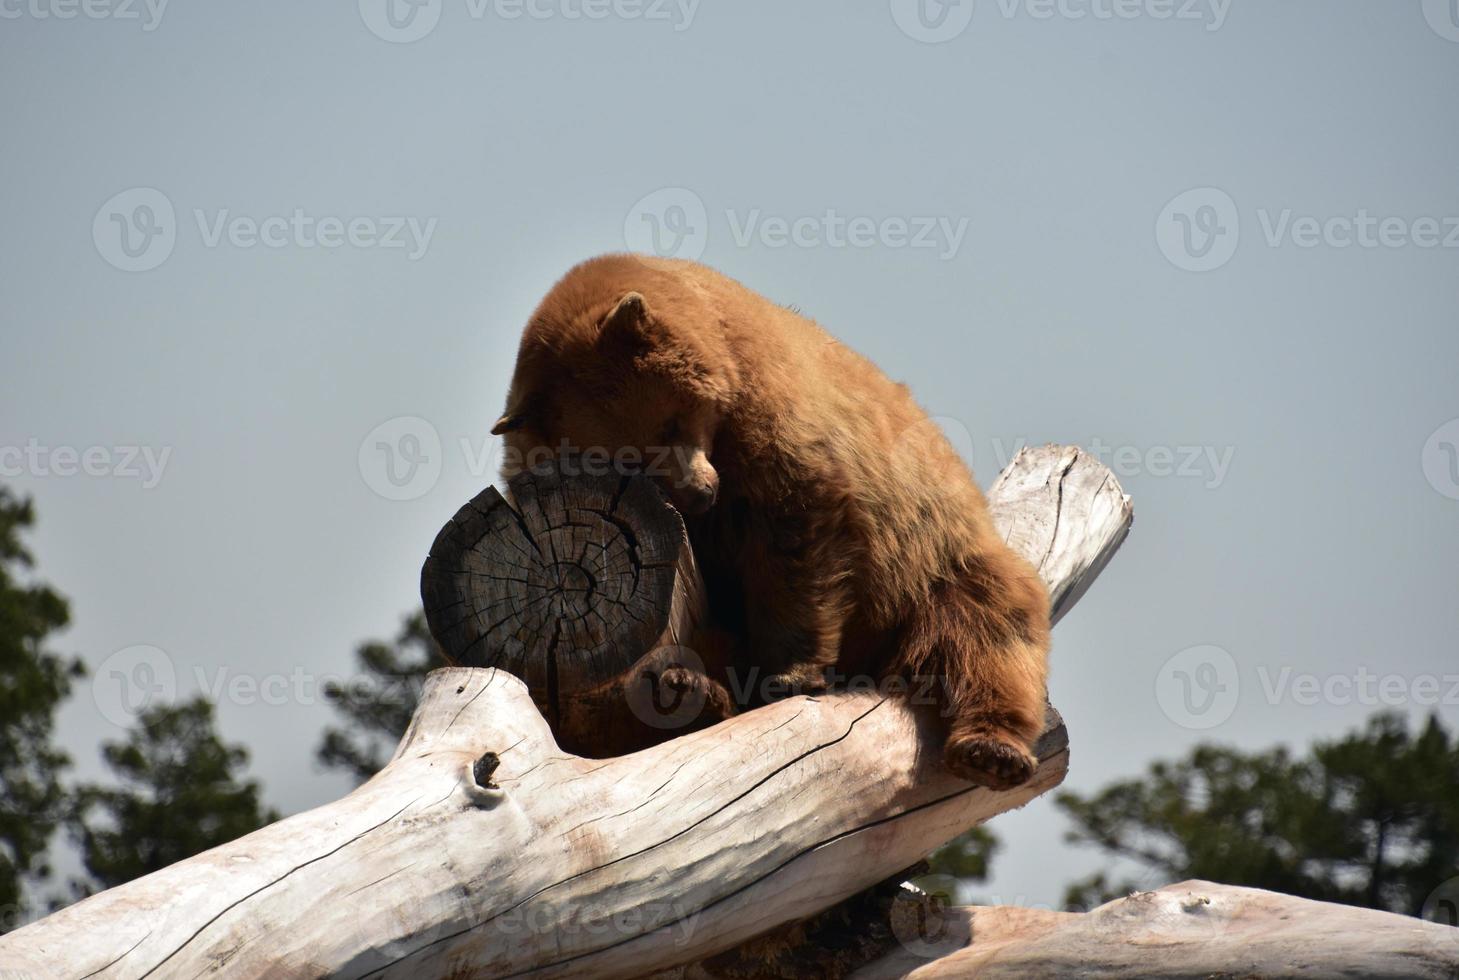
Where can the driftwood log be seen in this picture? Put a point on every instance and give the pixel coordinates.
(1195, 930)
(485, 850)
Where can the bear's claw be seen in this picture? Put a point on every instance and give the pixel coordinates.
(988, 760)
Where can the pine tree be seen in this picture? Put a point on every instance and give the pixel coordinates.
(1371, 819)
(179, 794)
(379, 706)
(33, 682)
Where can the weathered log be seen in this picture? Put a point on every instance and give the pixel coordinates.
(587, 589)
(1064, 511)
(1194, 930)
(484, 850)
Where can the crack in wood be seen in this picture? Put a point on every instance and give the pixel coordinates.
(263, 888)
(597, 868)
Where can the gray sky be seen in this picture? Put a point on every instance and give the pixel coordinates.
(1273, 399)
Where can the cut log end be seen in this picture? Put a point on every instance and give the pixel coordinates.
(565, 586)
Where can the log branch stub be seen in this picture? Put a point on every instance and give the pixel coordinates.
(1064, 511)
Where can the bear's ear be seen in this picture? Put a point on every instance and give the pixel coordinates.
(523, 409)
(626, 321)
(508, 423)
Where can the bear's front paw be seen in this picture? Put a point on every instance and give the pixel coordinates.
(689, 686)
(989, 759)
(795, 682)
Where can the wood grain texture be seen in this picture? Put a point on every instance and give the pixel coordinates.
(586, 588)
(565, 587)
(1063, 510)
(484, 850)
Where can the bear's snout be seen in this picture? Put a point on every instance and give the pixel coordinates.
(698, 499)
(695, 486)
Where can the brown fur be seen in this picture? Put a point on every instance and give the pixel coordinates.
(846, 534)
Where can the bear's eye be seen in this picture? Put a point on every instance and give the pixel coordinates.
(671, 431)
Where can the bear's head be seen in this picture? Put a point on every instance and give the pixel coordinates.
(610, 384)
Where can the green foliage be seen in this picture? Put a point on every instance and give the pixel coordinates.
(1370, 820)
(180, 795)
(33, 682)
(377, 708)
(966, 858)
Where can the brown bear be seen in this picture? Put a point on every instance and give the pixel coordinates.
(839, 533)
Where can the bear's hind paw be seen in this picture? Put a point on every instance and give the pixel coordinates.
(987, 760)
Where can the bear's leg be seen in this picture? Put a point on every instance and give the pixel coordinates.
(795, 611)
(983, 646)
(992, 745)
(641, 709)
